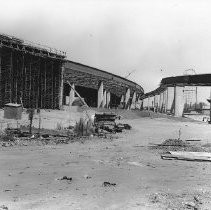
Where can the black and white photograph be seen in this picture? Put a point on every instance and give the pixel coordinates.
(105, 104)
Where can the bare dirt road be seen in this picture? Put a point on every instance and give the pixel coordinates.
(31, 175)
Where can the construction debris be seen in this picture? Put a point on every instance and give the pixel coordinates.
(4, 207)
(66, 178)
(178, 145)
(13, 111)
(193, 140)
(174, 142)
(108, 184)
(87, 176)
(106, 122)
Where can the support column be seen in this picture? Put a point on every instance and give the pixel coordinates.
(127, 97)
(156, 102)
(179, 101)
(100, 95)
(148, 104)
(122, 99)
(72, 94)
(108, 99)
(104, 99)
(133, 105)
(160, 102)
(165, 100)
(61, 88)
(153, 103)
(170, 99)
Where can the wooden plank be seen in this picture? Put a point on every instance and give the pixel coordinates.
(188, 156)
(77, 94)
(195, 154)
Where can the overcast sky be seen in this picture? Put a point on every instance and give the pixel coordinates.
(141, 37)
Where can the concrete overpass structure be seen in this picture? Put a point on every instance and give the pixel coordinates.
(99, 88)
(169, 96)
(38, 76)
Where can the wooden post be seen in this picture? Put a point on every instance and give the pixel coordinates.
(0, 79)
(61, 88)
(52, 85)
(39, 112)
(77, 94)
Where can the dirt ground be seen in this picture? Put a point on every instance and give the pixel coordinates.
(31, 175)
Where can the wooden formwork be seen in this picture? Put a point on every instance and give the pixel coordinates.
(33, 80)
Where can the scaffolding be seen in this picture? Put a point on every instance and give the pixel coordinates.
(29, 74)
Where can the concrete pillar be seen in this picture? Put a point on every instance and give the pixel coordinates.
(148, 103)
(139, 104)
(108, 99)
(159, 97)
(153, 103)
(158, 109)
(170, 99)
(178, 101)
(100, 95)
(104, 98)
(133, 105)
(122, 99)
(160, 102)
(127, 97)
(72, 95)
(61, 88)
(165, 100)
(156, 102)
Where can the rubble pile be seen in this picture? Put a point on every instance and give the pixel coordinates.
(21, 137)
(178, 145)
(175, 142)
(106, 123)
